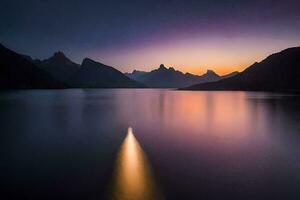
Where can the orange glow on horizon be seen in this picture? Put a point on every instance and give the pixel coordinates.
(195, 55)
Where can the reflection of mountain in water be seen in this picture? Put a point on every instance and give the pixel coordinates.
(133, 179)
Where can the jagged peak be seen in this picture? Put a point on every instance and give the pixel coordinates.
(162, 66)
(59, 54)
(60, 57)
(211, 72)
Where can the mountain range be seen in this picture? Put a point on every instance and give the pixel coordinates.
(278, 72)
(90, 74)
(17, 72)
(22, 72)
(163, 77)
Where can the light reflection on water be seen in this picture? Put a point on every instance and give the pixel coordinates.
(62, 144)
(133, 178)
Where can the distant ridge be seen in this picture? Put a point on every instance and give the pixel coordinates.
(18, 72)
(93, 74)
(278, 72)
(90, 74)
(163, 77)
(22, 72)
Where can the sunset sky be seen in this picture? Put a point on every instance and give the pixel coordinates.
(192, 36)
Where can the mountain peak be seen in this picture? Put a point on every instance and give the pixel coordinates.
(26, 75)
(59, 54)
(162, 66)
(172, 69)
(87, 61)
(59, 57)
(209, 71)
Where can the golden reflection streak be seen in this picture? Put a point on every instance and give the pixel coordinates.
(133, 179)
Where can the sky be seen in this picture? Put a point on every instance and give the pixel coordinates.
(190, 35)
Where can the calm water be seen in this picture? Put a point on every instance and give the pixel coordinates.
(149, 144)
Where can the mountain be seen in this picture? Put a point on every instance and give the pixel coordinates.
(230, 75)
(136, 74)
(88, 74)
(59, 66)
(17, 72)
(170, 78)
(278, 72)
(93, 74)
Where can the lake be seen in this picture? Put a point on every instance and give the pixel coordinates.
(149, 144)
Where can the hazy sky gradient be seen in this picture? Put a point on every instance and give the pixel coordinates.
(223, 35)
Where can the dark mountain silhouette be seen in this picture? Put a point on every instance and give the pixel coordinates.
(89, 74)
(97, 75)
(59, 66)
(17, 72)
(170, 78)
(230, 75)
(136, 74)
(278, 72)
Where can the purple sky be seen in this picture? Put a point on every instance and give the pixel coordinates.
(223, 35)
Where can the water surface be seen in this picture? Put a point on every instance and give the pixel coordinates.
(73, 144)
